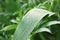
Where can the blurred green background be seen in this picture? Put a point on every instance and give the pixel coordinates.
(12, 11)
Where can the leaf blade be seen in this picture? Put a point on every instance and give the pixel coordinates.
(29, 22)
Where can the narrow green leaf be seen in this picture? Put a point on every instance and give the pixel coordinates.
(29, 22)
(53, 23)
(43, 30)
(8, 28)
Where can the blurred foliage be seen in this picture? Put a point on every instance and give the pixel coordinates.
(12, 11)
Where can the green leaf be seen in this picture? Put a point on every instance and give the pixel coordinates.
(8, 28)
(29, 22)
(43, 30)
(53, 23)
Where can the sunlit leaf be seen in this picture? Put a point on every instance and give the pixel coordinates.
(29, 22)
